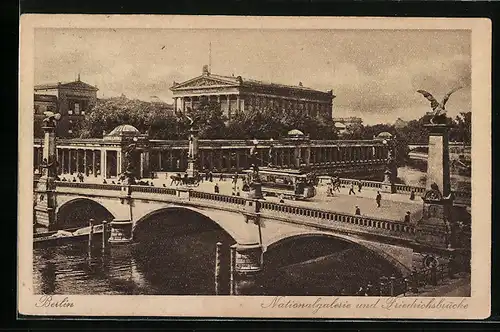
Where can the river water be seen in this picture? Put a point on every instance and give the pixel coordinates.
(183, 264)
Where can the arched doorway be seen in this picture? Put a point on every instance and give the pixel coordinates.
(174, 249)
(78, 212)
(321, 265)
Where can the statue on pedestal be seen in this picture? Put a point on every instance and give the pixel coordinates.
(127, 177)
(439, 115)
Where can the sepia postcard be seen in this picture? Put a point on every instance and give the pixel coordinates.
(264, 167)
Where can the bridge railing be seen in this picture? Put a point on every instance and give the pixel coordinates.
(85, 185)
(154, 190)
(236, 200)
(330, 217)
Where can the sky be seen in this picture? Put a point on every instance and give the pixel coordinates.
(373, 73)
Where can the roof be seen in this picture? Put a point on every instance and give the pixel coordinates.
(124, 130)
(66, 85)
(295, 132)
(243, 81)
(384, 134)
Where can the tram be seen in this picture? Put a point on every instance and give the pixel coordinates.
(290, 183)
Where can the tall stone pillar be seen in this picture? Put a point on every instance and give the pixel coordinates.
(45, 192)
(436, 226)
(247, 269)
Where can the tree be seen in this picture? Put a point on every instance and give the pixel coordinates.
(462, 129)
(209, 119)
(109, 113)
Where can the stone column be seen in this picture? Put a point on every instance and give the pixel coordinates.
(229, 106)
(175, 104)
(145, 164)
(85, 168)
(62, 162)
(70, 162)
(296, 156)
(247, 269)
(238, 106)
(103, 163)
(94, 170)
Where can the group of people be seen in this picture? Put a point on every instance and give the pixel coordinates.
(78, 176)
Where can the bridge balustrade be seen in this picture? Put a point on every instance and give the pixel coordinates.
(388, 225)
(217, 197)
(83, 185)
(154, 190)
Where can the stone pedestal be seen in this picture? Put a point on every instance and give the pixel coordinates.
(248, 265)
(121, 231)
(434, 229)
(388, 185)
(255, 191)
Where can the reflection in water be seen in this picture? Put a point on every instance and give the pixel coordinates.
(185, 265)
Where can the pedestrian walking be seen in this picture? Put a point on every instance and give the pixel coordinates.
(211, 176)
(281, 198)
(216, 188)
(412, 195)
(360, 185)
(358, 211)
(238, 193)
(351, 190)
(407, 217)
(378, 199)
(235, 178)
(221, 176)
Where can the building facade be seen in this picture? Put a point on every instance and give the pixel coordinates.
(72, 100)
(237, 94)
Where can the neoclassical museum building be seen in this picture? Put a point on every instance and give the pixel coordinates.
(237, 94)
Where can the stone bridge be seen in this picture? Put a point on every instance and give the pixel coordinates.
(257, 226)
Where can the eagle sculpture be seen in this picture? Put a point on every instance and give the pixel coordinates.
(51, 118)
(437, 107)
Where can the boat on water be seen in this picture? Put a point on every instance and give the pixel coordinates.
(66, 235)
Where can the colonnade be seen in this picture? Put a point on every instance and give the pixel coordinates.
(108, 161)
(233, 103)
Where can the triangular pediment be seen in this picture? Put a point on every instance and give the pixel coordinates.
(203, 82)
(79, 85)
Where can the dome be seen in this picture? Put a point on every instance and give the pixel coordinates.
(384, 134)
(124, 130)
(340, 125)
(295, 132)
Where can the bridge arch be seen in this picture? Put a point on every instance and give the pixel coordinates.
(77, 212)
(183, 218)
(282, 240)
